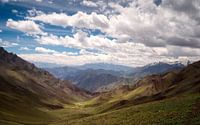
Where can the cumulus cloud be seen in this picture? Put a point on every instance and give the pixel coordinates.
(78, 40)
(80, 19)
(26, 26)
(140, 32)
(171, 23)
(89, 3)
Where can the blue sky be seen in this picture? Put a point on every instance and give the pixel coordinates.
(126, 32)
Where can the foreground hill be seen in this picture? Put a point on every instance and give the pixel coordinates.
(24, 88)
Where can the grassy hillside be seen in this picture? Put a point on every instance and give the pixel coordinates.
(174, 111)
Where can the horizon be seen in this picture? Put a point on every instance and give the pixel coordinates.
(77, 32)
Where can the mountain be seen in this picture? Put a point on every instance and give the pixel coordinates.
(24, 89)
(89, 79)
(157, 86)
(101, 77)
(107, 66)
(93, 79)
(156, 68)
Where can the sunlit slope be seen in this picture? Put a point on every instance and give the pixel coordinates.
(177, 110)
(154, 87)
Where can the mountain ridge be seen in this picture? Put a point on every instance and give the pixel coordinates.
(87, 77)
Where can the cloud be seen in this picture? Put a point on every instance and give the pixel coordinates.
(24, 48)
(142, 22)
(80, 20)
(5, 1)
(89, 3)
(14, 11)
(120, 52)
(44, 50)
(79, 40)
(133, 32)
(38, 0)
(7, 44)
(137, 60)
(26, 26)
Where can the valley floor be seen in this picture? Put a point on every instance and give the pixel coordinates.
(179, 110)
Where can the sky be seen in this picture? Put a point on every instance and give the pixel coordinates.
(125, 32)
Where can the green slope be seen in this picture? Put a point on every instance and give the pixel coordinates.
(173, 111)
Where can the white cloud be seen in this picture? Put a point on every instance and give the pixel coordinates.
(4, 1)
(65, 59)
(26, 26)
(89, 3)
(126, 53)
(80, 19)
(44, 50)
(24, 48)
(7, 43)
(78, 40)
(142, 21)
(143, 32)
(38, 0)
(125, 59)
(1, 31)
(14, 11)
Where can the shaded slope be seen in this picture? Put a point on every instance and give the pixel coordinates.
(26, 89)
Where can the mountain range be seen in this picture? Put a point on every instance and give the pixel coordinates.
(101, 76)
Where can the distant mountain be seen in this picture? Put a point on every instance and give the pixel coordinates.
(24, 87)
(156, 68)
(93, 79)
(153, 87)
(100, 77)
(107, 66)
(140, 72)
(89, 79)
(171, 83)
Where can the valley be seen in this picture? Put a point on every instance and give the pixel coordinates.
(32, 96)
(99, 62)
